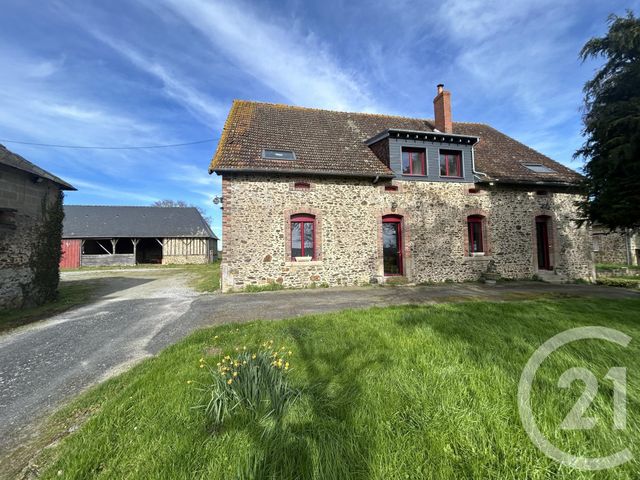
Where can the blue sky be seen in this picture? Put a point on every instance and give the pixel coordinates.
(148, 72)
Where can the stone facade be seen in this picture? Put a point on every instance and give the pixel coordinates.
(348, 213)
(616, 247)
(22, 214)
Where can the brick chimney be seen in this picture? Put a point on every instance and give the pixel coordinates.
(442, 110)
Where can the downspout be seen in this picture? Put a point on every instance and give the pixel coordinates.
(473, 164)
(375, 180)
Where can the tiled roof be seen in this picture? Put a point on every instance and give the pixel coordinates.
(103, 221)
(332, 143)
(7, 157)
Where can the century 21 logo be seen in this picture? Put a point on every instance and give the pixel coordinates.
(576, 419)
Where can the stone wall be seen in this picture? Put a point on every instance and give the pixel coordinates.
(19, 192)
(615, 247)
(348, 231)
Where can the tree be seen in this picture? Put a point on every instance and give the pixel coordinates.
(182, 204)
(612, 127)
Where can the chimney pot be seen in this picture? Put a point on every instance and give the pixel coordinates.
(442, 110)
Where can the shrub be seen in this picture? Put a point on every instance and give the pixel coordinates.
(253, 382)
(619, 282)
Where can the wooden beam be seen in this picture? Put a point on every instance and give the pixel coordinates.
(102, 246)
(135, 247)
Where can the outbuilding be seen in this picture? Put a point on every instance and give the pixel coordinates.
(129, 235)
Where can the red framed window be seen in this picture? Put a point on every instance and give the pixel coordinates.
(475, 225)
(451, 163)
(414, 161)
(303, 236)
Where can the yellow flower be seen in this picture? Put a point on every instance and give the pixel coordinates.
(218, 364)
(286, 365)
(235, 374)
(244, 348)
(201, 360)
(216, 337)
(253, 357)
(202, 365)
(188, 382)
(230, 381)
(290, 352)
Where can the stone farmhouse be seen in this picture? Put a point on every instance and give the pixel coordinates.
(314, 197)
(116, 235)
(30, 228)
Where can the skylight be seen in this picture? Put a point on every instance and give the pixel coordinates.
(539, 168)
(278, 154)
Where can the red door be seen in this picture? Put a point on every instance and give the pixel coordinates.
(70, 254)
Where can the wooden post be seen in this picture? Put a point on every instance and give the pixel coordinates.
(135, 247)
(114, 241)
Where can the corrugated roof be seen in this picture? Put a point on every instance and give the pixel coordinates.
(333, 143)
(7, 157)
(98, 221)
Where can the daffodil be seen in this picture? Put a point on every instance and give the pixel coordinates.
(230, 381)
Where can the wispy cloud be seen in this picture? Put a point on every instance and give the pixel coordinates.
(294, 63)
(117, 196)
(209, 111)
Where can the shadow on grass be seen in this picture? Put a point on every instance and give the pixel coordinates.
(324, 441)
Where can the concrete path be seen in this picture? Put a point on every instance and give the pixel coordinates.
(138, 313)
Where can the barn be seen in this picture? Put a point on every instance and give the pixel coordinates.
(123, 235)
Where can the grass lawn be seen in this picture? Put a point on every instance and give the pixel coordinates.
(70, 294)
(394, 393)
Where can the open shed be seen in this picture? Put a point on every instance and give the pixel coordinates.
(115, 236)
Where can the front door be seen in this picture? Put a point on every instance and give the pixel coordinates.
(392, 245)
(542, 239)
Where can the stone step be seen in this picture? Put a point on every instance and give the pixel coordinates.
(552, 277)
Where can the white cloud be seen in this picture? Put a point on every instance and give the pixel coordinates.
(294, 64)
(203, 107)
(115, 195)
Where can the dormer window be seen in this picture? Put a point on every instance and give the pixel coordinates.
(414, 161)
(451, 163)
(278, 154)
(538, 168)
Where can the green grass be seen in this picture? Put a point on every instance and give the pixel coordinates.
(268, 287)
(206, 277)
(395, 393)
(70, 295)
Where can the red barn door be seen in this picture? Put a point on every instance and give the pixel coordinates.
(70, 254)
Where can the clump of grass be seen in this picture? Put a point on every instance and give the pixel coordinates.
(269, 287)
(252, 381)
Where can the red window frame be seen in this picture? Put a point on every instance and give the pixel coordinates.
(411, 152)
(302, 219)
(475, 219)
(446, 154)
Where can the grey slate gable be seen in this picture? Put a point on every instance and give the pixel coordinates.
(88, 221)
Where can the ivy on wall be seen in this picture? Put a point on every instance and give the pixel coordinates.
(47, 250)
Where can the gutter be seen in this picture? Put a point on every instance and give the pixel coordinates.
(327, 173)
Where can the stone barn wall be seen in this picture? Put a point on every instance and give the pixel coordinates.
(19, 230)
(348, 214)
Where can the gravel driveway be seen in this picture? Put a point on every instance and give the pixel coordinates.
(47, 362)
(137, 313)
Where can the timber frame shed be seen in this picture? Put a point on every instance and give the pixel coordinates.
(123, 235)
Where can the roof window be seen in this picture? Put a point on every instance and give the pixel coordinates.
(278, 154)
(538, 168)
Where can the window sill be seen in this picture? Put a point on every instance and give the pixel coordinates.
(414, 175)
(310, 263)
(452, 177)
(478, 257)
